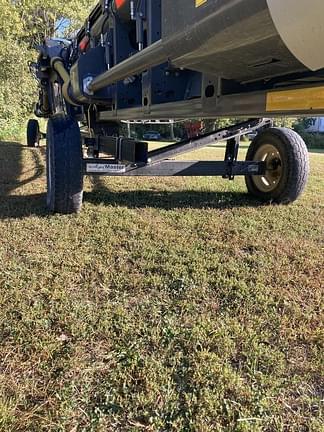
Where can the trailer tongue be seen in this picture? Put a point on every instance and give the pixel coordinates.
(149, 59)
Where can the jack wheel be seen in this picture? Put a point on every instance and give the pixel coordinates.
(287, 166)
(33, 133)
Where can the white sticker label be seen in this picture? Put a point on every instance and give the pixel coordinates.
(105, 168)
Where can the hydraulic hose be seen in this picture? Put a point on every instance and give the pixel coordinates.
(58, 65)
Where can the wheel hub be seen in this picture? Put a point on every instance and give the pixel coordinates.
(269, 181)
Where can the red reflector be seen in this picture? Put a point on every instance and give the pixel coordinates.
(120, 3)
(83, 45)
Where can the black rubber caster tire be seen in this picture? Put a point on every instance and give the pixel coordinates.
(64, 166)
(33, 133)
(287, 159)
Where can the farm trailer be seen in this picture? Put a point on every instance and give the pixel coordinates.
(162, 59)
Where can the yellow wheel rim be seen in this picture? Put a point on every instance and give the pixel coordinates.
(269, 181)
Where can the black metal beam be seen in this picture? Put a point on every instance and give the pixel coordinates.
(120, 148)
(166, 168)
(225, 134)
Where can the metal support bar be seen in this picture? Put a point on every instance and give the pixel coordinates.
(232, 148)
(202, 141)
(172, 168)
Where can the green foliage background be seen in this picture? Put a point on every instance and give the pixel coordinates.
(23, 24)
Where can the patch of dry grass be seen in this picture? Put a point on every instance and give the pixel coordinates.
(167, 305)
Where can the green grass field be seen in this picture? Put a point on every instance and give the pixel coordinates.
(167, 305)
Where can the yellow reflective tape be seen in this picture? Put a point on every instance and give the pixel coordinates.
(296, 100)
(200, 2)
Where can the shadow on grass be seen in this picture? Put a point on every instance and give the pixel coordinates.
(11, 166)
(22, 206)
(14, 175)
(168, 200)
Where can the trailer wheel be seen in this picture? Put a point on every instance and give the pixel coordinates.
(64, 166)
(33, 133)
(287, 162)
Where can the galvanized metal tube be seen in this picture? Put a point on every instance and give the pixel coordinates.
(150, 57)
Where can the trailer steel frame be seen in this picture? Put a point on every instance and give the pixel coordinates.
(158, 163)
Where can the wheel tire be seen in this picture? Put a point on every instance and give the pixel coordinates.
(287, 162)
(64, 166)
(33, 134)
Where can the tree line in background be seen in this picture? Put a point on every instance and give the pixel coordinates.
(24, 24)
(192, 127)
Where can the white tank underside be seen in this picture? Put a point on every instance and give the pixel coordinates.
(300, 24)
